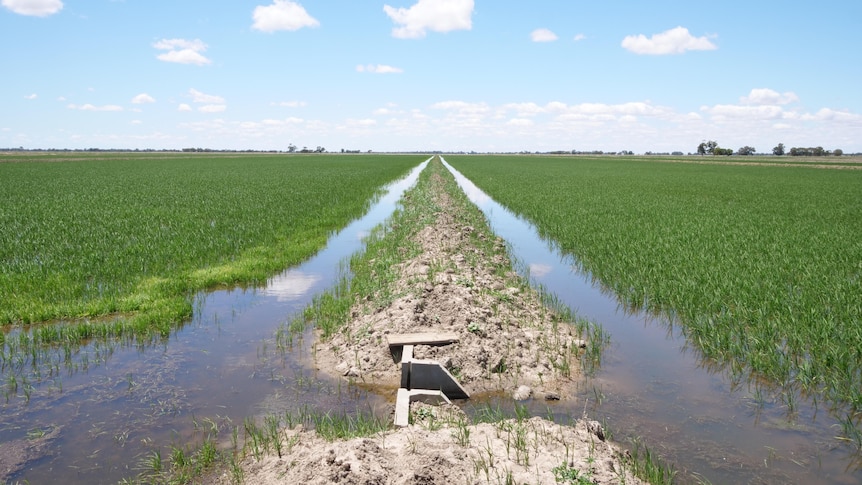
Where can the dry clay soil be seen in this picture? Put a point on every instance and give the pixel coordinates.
(508, 342)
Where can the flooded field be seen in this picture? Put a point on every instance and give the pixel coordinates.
(652, 385)
(103, 413)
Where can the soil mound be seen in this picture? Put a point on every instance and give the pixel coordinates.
(460, 282)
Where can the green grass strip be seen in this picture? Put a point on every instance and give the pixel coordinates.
(138, 235)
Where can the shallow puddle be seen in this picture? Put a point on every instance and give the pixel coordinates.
(116, 405)
(652, 385)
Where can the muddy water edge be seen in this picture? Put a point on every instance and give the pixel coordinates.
(111, 410)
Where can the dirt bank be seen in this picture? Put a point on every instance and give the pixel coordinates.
(459, 281)
(453, 276)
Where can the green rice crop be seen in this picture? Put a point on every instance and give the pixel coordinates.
(762, 265)
(137, 234)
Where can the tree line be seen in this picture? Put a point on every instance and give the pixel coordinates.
(711, 148)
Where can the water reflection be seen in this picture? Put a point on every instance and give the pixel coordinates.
(291, 285)
(712, 420)
(116, 404)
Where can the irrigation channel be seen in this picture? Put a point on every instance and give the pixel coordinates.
(101, 419)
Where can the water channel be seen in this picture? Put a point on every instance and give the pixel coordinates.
(102, 418)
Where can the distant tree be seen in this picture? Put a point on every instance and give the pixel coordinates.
(291, 148)
(778, 150)
(707, 147)
(746, 151)
(838, 152)
(319, 149)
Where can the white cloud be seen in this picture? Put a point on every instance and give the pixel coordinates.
(433, 15)
(462, 107)
(291, 104)
(212, 108)
(31, 96)
(579, 37)
(143, 98)
(182, 51)
(36, 8)
(586, 110)
(185, 56)
(766, 96)
(184, 107)
(733, 111)
(136, 122)
(520, 122)
(199, 97)
(90, 107)
(363, 123)
(542, 35)
(524, 109)
(379, 69)
(827, 114)
(673, 41)
(174, 44)
(282, 15)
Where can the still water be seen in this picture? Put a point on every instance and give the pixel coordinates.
(652, 385)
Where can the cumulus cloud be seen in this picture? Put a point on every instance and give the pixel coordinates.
(733, 111)
(184, 107)
(765, 96)
(35, 8)
(211, 103)
(433, 15)
(182, 51)
(828, 114)
(282, 15)
(673, 41)
(542, 35)
(579, 37)
(90, 107)
(143, 98)
(31, 96)
(199, 97)
(379, 69)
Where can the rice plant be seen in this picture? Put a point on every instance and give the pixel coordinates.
(761, 265)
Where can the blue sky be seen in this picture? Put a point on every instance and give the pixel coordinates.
(430, 74)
